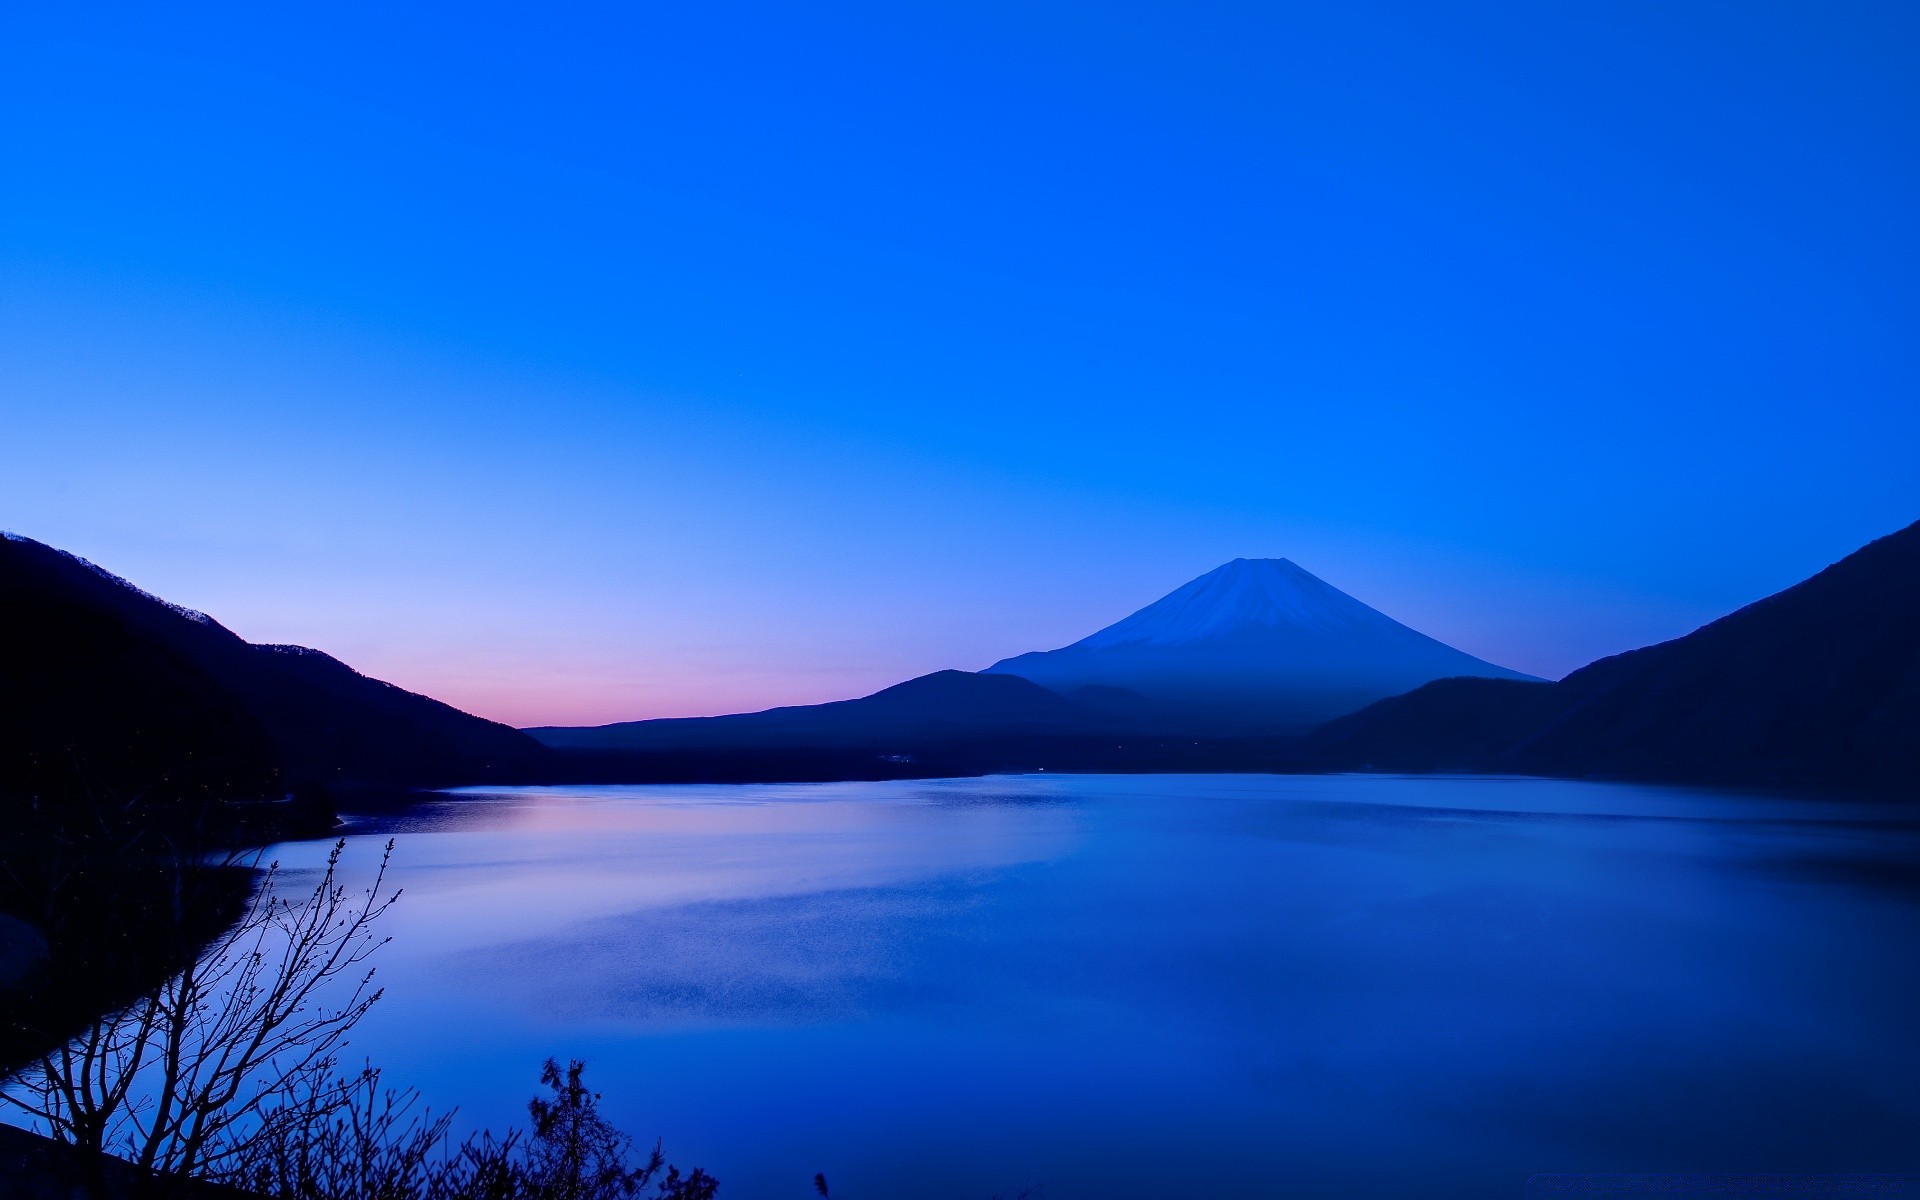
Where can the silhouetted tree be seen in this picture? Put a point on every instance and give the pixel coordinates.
(382, 1145)
(576, 1155)
(226, 1069)
(354, 1140)
(180, 1080)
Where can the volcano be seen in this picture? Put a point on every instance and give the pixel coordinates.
(1257, 645)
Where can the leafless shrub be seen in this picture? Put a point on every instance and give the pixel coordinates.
(181, 1080)
(228, 1071)
(382, 1145)
(375, 1144)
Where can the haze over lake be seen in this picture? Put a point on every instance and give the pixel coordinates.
(1333, 985)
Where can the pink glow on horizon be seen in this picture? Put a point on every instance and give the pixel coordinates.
(562, 701)
(560, 681)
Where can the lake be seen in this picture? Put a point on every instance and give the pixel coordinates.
(1332, 986)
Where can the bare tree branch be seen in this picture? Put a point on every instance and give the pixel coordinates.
(179, 1080)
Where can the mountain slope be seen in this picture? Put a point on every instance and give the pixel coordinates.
(1818, 684)
(1255, 645)
(942, 707)
(93, 664)
(88, 702)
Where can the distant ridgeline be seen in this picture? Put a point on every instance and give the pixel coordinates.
(135, 736)
(1257, 665)
(1818, 684)
(125, 721)
(101, 680)
(1260, 666)
(1219, 674)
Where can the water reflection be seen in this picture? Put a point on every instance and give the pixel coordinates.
(949, 988)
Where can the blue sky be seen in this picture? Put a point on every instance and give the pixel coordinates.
(575, 363)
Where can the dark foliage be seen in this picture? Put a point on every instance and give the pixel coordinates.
(380, 1144)
(574, 1154)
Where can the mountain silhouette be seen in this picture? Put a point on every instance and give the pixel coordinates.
(1259, 644)
(1257, 647)
(941, 707)
(1817, 684)
(102, 677)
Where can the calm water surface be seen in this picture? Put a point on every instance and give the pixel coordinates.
(1325, 987)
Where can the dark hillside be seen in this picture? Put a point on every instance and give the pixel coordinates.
(1448, 725)
(88, 661)
(83, 689)
(942, 707)
(1815, 685)
(136, 737)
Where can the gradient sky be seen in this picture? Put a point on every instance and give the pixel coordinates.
(578, 363)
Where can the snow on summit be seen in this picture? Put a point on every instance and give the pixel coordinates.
(1246, 593)
(1260, 643)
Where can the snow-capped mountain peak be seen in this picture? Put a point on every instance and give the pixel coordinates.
(1256, 643)
(1244, 595)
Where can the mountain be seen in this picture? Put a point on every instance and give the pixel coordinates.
(947, 724)
(1256, 648)
(1258, 645)
(942, 707)
(98, 676)
(1817, 684)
